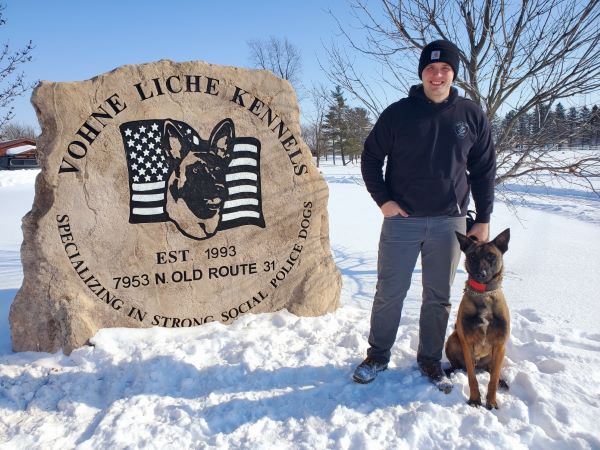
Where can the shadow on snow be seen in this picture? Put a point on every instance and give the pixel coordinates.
(280, 394)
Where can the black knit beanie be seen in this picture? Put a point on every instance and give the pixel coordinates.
(440, 51)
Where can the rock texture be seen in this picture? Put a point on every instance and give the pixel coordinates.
(171, 194)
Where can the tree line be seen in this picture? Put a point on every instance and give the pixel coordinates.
(339, 131)
(558, 126)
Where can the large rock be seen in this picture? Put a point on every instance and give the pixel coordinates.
(171, 194)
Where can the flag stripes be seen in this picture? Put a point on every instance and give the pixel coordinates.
(148, 202)
(243, 205)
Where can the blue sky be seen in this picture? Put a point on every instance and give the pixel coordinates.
(77, 40)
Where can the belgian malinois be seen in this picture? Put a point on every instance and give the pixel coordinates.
(483, 322)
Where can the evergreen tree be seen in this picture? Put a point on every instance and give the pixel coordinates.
(585, 117)
(336, 129)
(559, 130)
(524, 128)
(573, 125)
(345, 128)
(358, 125)
(595, 125)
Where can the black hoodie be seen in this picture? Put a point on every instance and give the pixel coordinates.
(434, 152)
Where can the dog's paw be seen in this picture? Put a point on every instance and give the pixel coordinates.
(474, 402)
(491, 405)
(502, 385)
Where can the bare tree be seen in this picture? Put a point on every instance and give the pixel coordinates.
(279, 56)
(314, 131)
(15, 130)
(12, 82)
(515, 56)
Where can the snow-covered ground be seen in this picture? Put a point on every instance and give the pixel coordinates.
(280, 381)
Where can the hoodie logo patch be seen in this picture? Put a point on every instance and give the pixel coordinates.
(461, 129)
(435, 54)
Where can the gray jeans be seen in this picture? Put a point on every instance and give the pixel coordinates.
(402, 239)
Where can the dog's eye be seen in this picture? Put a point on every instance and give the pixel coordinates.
(491, 257)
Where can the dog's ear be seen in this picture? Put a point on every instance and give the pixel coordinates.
(464, 241)
(501, 241)
(173, 141)
(221, 139)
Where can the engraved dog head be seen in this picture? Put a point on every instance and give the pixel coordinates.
(196, 187)
(484, 259)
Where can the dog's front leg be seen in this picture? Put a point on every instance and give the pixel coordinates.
(497, 358)
(468, 354)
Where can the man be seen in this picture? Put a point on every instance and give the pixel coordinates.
(438, 147)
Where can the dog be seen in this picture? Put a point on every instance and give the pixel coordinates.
(483, 322)
(196, 189)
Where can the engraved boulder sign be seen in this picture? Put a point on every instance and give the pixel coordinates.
(171, 195)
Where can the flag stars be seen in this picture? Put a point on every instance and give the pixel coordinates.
(148, 161)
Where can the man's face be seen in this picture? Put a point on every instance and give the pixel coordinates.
(437, 81)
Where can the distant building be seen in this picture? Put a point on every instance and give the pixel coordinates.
(18, 154)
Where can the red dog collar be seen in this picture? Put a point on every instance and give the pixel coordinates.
(479, 287)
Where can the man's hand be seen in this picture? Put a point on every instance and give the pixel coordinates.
(481, 231)
(391, 209)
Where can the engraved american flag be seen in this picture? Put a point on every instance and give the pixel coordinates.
(149, 169)
(150, 166)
